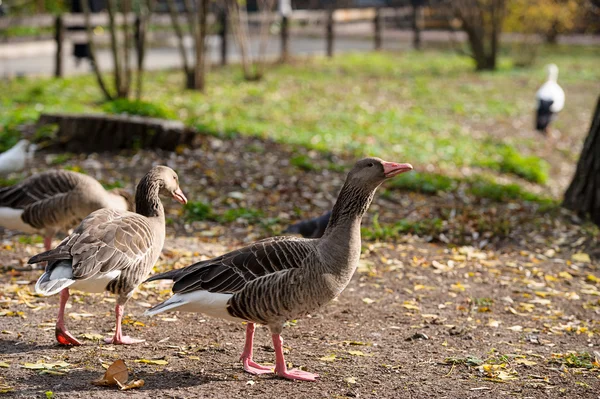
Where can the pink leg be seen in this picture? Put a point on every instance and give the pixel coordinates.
(246, 357)
(281, 368)
(48, 243)
(119, 338)
(62, 335)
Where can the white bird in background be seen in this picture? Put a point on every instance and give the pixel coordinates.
(15, 159)
(550, 100)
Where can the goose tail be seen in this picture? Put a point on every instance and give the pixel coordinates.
(56, 278)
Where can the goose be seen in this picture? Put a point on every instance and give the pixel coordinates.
(111, 250)
(550, 100)
(56, 200)
(282, 278)
(15, 159)
(311, 228)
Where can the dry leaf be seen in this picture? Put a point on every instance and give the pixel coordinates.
(131, 385)
(350, 380)
(116, 374)
(359, 353)
(581, 257)
(158, 362)
(525, 362)
(516, 328)
(92, 336)
(328, 358)
(4, 365)
(368, 301)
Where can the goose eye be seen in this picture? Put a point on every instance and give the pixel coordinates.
(370, 164)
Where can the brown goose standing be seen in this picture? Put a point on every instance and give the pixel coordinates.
(282, 278)
(54, 201)
(111, 251)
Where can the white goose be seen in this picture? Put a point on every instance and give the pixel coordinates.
(15, 159)
(550, 100)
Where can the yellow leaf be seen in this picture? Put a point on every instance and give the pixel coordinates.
(458, 287)
(493, 323)
(328, 358)
(408, 305)
(566, 275)
(525, 362)
(368, 301)
(158, 362)
(92, 336)
(581, 257)
(359, 353)
(4, 365)
(592, 279)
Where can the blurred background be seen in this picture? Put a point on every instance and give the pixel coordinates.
(296, 90)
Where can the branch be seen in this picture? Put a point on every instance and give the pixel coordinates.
(90, 35)
(113, 44)
(179, 34)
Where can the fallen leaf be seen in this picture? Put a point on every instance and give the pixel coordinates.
(493, 323)
(250, 383)
(4, 365)
(359, 353)
(92, 336)
(131, 385)
(158, 362)
(592, 279)
(328, 358)
(581, 257)
(350, 380)
(516, 328)
(525, 362)
(368, 301)
(115, 374)
(40, 365)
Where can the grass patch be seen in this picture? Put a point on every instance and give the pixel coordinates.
(198, 210)
(250, 215)
(506, 159)
(426, 183)
(303, 162)
(138, 107)
(483, 188)
(386, 232)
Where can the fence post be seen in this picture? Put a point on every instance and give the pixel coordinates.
(59, 33)
(417, 21)
(285, 38)
(329, 31)
(223, 35)
(377, 26)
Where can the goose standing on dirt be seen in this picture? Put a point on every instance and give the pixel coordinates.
(550, 100)
(282, 278)
(54, 201)
(15, 159)
(111, 250)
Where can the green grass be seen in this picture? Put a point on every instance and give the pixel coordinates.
(421, 107)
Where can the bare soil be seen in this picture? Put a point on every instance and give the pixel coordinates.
(514, 318)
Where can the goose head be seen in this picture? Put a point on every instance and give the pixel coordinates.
(371, 172)
(168, 183)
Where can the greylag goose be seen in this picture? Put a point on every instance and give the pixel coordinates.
(54, 201)
(311, 228)
(550, 100)
(15, 159)
(282, 278)
(110, 250)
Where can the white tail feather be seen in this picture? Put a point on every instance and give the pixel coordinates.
(209, 303)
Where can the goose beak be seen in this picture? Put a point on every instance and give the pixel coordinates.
(179, 196)
(391, 169)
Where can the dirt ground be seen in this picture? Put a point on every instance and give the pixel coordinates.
(420, 319)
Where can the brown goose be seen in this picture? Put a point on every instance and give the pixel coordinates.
(54, 201)
(110, 250)
(282, 278)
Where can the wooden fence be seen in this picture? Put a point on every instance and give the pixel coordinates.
(325, 19)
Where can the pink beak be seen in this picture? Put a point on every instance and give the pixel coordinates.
(179, 196)
(391, 169)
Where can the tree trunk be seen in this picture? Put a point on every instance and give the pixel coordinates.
(92, 47)
(201, 45)
(583, 195)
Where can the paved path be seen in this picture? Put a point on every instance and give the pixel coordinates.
(37, 58)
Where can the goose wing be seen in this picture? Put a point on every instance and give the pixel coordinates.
(229, 273)
(106, 240)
